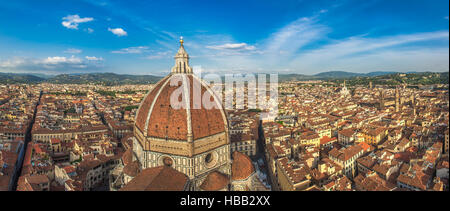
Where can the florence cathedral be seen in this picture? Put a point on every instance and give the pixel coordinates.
(184, 148)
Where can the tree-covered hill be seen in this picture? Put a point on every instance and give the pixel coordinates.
(104, 79)
(12, 78)
(109, 79)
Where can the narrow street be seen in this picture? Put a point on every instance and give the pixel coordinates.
(27, 140)
(261, 153)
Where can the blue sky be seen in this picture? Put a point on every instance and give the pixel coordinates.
(286, 36)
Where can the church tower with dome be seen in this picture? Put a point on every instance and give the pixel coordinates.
(189, 138)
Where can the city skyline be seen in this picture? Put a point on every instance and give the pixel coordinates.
(291, 37)
(184, 133)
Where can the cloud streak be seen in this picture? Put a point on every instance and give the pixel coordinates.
(72, 21)
(232, 46)
(294, 36)
(93, 58)
(303, 46)
(387, 52)
(118, 31)
(89, 30)
(55, 64)
(160, 55)
(132, 50)
(73, 51)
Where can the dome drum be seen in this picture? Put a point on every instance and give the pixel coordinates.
(182, 148)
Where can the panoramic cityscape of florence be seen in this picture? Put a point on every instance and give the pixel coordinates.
(257, 96)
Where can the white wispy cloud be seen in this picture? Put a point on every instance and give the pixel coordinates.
(160, 55)
(93, 58)
(358, 53)
(292, 37)
(118, 31)
(73, 51)
(276, 50)
(54, 64)
(89, 30)
(62, 60)
(360, 44)
(402, 60)
(303, 46)
(72, 21)
(132, 50)
(232, 46)
(12, 63)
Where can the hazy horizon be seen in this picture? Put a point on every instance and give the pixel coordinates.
(164, 74)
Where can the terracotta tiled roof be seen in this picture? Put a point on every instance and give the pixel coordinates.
(347, 132)
(372, 182)
(242, 166)
(414, 176)
(326, 139)
(37, 179)
(381, 169)
(364, 146)
(345, 154)
(132, 169)
(214, 181)
(127, 157)
(69, 169)
(162, 178)
(343, 184)
(367, 161)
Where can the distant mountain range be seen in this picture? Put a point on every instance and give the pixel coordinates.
(334, 75)
(11, 78)
(103, 78)
(120, 79)
(95, 78)
(330, 75)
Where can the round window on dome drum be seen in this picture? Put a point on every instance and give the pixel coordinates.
(167, 161)
(211, 159)
(208, 158)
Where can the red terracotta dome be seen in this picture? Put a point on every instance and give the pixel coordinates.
(214, 181)
(242, 166)
(157, 118)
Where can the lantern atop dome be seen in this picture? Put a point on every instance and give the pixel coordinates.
(181, 60)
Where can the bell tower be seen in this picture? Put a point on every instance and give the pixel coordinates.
(381, 99)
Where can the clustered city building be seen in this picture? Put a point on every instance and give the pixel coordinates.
(326, 136)
(368, 138)
(17, 107)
